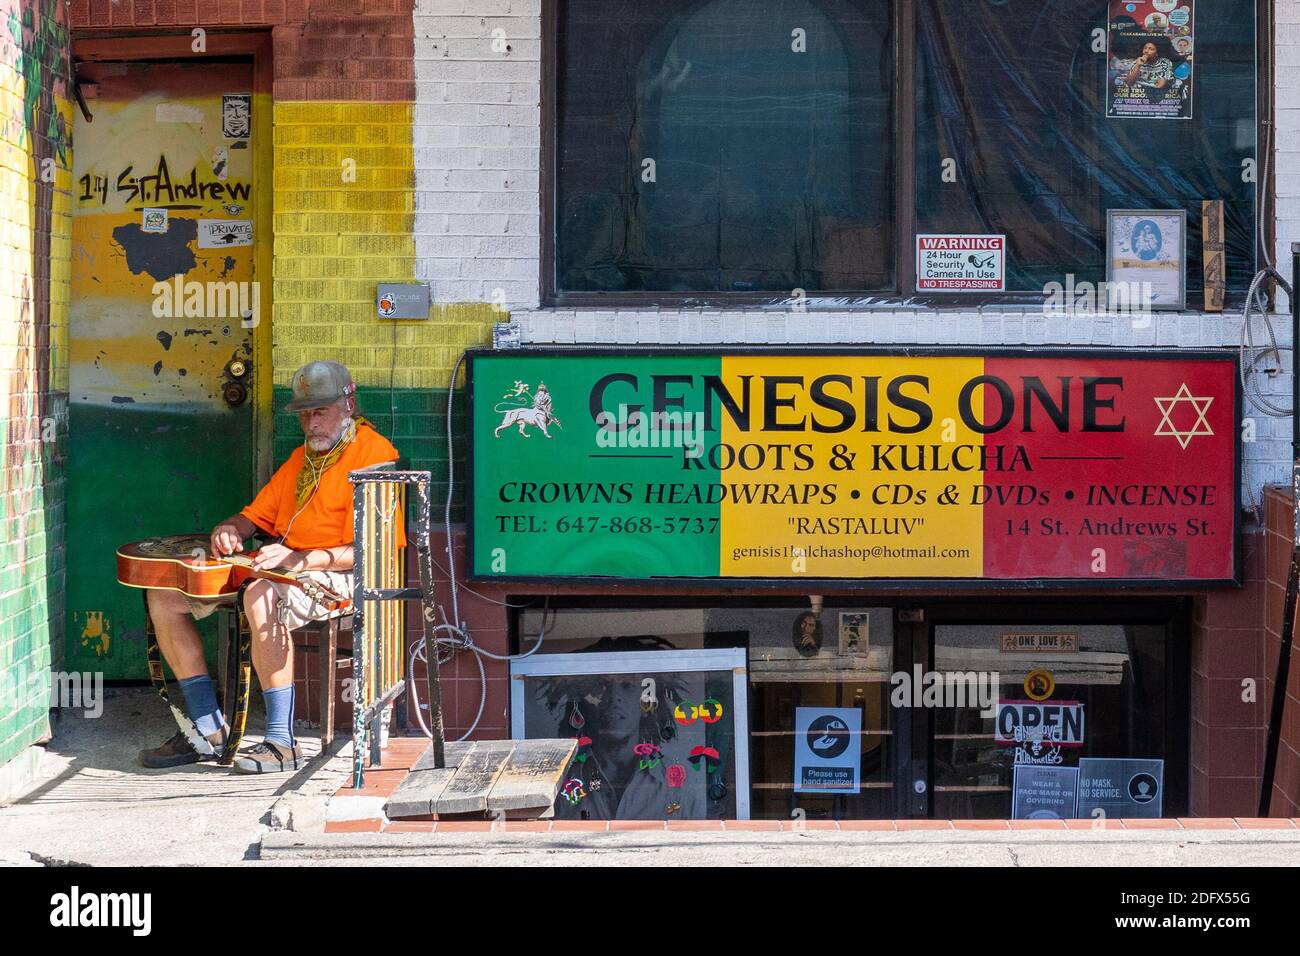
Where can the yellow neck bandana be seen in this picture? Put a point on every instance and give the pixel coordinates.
(314, 463)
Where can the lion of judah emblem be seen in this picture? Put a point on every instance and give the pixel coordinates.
(515, 412)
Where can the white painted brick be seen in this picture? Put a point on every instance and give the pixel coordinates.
(438, 70)
(513, 247)
(523, 225)
(507, 70)
(457, 291)
(486, 136)
(506, 201)
(429, 135)
(478, 225)
(565, 329)
(518, 294)
(514, 159)
(509, 115)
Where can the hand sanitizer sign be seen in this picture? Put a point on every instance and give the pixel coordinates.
(827, 749)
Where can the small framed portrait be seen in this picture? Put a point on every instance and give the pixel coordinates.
(806, 634)
(1146, 257)
(855, 633)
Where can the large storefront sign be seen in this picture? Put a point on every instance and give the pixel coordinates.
(1078, 467)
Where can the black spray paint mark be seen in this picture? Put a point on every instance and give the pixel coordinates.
(157, 367)
(166, 339)
(161, 255)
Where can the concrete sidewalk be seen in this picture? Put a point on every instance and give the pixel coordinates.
(95, 805)
(676, 848)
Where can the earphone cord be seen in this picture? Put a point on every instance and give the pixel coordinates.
(316, 477)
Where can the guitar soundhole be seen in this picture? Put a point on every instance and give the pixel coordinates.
(175, 546)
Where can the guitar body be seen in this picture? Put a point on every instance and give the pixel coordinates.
(180, 562)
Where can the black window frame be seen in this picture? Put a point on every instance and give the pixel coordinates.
(901, 297)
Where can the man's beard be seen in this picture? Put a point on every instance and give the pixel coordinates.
(325, 444)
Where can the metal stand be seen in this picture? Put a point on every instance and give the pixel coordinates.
(1293, 574)
(367, 716)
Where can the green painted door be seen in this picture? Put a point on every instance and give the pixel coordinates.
(164, 303)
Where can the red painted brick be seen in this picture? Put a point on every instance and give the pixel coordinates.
(923, 824)
(795, 825)
(1264, 823)
(1208, 823)
(860, 826)
(372, 825)
(1235, 753)
(1151, 824)
(1037, 824)
(751, 826)
(165, 12)
(409, 826)
(79, 13)
(616, 826)
(187, 11)
(463, 826)
(1234, 608)
(1230, 797)
(980, 825)
(695, 825)
(250, 12)
(524, 826)
(1107, 824)
(580, 826)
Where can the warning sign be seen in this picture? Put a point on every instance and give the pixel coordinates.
(961, 263)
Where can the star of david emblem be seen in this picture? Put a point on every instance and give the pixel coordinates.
(1169, 408)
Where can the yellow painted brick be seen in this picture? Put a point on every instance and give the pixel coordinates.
(289, 244)
(383, 114)
(297, 111)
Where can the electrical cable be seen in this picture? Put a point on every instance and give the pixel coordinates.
(462, 641)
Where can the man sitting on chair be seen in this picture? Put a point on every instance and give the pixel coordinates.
(307, 505)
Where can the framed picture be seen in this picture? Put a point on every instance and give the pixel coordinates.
(855, 633)
(1146, 258)
(662, 735)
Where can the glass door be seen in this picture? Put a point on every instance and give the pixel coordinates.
(1071, 684)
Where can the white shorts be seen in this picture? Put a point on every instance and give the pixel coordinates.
(293, 607)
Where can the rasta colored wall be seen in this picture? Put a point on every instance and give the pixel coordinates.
(35, 243)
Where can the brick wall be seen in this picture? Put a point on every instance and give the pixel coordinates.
(35, 230)
(1277, 551)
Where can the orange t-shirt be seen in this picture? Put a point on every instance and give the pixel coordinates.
(326, 520)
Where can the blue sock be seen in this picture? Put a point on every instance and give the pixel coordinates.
(201, 699)
(279, 715)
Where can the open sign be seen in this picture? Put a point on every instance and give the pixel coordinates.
(1026, 721)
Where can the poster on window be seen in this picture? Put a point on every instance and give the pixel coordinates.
(1149, 50)
(827, 750)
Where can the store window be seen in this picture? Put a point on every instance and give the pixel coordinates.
(1107, 684)
(789, 710)
(717, 148)
(703, 148)
(1014, 96)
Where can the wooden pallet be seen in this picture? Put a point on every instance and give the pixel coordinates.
(487, 778)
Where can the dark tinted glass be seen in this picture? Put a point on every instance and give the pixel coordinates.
(1015, 93)
(724, 146)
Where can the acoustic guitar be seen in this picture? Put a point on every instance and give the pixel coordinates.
(181, 562)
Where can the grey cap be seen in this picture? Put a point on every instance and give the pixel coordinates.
(319, 384)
